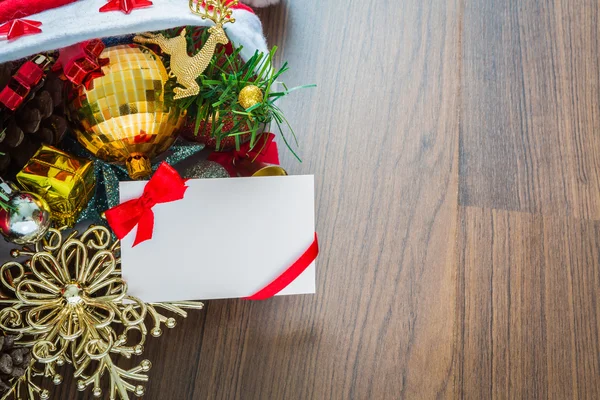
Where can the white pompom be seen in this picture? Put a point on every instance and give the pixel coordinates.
(260, 3)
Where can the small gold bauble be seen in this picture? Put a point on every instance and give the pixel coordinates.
(249, 96)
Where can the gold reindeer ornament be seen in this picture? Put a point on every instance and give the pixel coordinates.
(184, 68)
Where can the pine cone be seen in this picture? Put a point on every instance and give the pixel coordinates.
(39, 120)
(14, 361)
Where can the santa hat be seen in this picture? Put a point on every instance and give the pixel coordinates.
(71, 22)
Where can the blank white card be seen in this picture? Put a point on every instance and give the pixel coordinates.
(226, 238)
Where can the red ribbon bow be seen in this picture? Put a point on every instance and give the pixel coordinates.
(165, 186)
(264, 150)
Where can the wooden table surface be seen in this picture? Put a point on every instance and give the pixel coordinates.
(456, 149)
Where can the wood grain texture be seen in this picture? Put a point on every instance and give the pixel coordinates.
(380, 133)
(529, 317)
(530, 106)
(456, 154)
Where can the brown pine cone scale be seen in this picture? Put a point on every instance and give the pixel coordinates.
(14, 361)
(40, 119)
(6, 364)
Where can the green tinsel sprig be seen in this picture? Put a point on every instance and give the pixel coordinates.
(217, 103)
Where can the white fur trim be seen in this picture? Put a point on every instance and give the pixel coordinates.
(81, 21)
(260, 3)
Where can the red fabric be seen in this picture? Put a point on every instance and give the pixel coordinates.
(14, 9)
(239, 6)
(264, 150)
(166, 185)
(290, 274)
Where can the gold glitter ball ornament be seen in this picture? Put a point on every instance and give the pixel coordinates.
(249, 96)
(123, 117)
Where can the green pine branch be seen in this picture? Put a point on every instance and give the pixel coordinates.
(220, 85)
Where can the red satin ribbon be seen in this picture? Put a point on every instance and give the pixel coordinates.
(264, 150)
(165, 186)
(289, 275)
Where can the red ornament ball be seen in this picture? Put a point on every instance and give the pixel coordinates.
(206, 137)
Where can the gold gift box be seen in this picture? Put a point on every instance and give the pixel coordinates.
(64, 181)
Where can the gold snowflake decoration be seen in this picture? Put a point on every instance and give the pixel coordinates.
(71, 306)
